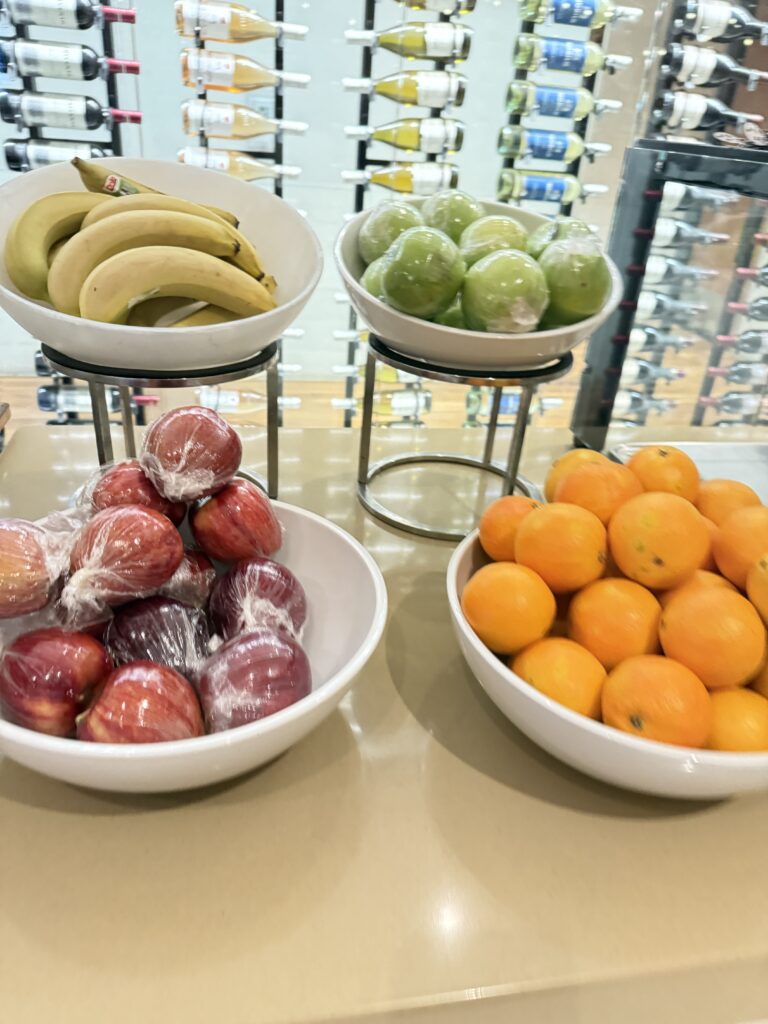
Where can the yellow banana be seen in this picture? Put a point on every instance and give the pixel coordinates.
(205, 317)
(35, 231)
(139, 229)
(56, 248)
(154, 271)
(100, 179)
(162, 312)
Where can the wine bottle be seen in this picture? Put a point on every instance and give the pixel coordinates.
(547, 188)
(744, 403)
(232, 121)
(758, 274)
(742, 373)
(651, 339)
(655, 305)
(435, 89)
(228, 72)
(68, 398)
(233, 403)
(230, 23)
(447, 7)
(55, 110)
(419, 179)
(586, 59)
(592, 14)
(548, 101)
(678, 196)
(515, 141)
(720, 21)
(666, 270)
(424, 134)
(433, 40)
(63, 13)
(700, 66)
(641, 371)
(761, 238)
(232, 162)
(669, 233)
(750, 342)
(692, 112)
(59, 60)
(406, 404)
(633, 403)
(27, 156)
(757, 309)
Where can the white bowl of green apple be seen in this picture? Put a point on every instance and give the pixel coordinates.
(476, 285)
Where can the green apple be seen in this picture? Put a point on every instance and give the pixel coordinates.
(451, 211)
(423, 273)
(489, 234)
(578, 278)
(371, 279)
(382, 226)
(504, 292)
(453, 316)
(554, 231)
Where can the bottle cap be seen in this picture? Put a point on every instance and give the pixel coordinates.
(601, 106)
(115, 14)
(286, 171)
(726, 339)
(717, 371)
(629, 13)
(114, 66)
(708, 403)
(356, 84)
(747, 271)
(738, 307)
(598, 147)
(355, 177)
(594, 190)
(293, 78)
(292, 127)
(363, 37)
(614, 61)
(760, 236)
(358, 131)
(125, 116)
(288, 31)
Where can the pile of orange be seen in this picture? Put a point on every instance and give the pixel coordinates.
(637, 595)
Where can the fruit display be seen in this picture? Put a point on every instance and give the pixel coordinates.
(114, 632)
(621, 599)
(115, 251)
(451, 262)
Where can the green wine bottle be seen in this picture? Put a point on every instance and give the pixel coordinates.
(545, 188)
(515, 141)
(548, 101)
(433, 40)
(586, 59)
(419, 179)
(436, 89)
(423, 134)
(592, 14)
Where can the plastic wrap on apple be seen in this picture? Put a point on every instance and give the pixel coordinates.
(193, 580)
(257, 592)
(160, 630)
(126, 483)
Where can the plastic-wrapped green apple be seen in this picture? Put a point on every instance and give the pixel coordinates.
(556, 230)
(453, 316)
(578, 279)
(371, 279)
(505, 292)
(383, 225)
(451, 211)
(423, 273)
(489, 234)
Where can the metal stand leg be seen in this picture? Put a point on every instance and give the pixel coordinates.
(273, 390)
(527, 392)
(101, 422)
(367, 421)
(493, 420)
(127, 418)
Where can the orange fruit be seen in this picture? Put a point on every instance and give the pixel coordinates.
(757, 586)
(658, 539)
(663, 468)
(508, 606)
(740, 541)
(718, 498)
(739, 721)
(615, 619)
(564, 544)
(564, 671)
(659, 699)
(709, 562)
(599, 487)
(499, 523)
(760, 684)
(716, 633)
(566, 463)
(702, 578)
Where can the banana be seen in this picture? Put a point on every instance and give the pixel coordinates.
(205, 317)
(36, 230)
(124, 231)
(56, 248)
(246, 258)
(154, 271)
(100, 179)
(162, 312)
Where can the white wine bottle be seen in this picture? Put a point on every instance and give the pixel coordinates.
(679, 196)
(228, 72)
(517, 142)
(421, 134)
(230, 161)
(586, 59)
(447, 7)
(548, 101)
(423, 40)
(230, 23)
(435, 89)
(545, 188)
(64, 13)
(27, 156)
(418, 179)
(592, 14)
(232, 121)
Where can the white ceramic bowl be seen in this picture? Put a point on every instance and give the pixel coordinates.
(283, 238)
(594, 748)
(448, 346)
(344, 625)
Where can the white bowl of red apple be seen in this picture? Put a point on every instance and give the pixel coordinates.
(176, 628)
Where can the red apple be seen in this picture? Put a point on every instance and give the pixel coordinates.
(192, 581)
(190, 452)
(161, 630)
(142, 703)
(238, 522)
(257, 592)
(25, 571)
(251, 677)
(47, 677)
(127, 484)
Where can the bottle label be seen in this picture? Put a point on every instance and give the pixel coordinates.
(212, 68)
(435, 134)
(647, 304)
(432, 89)
(542, 188)
(712, 19)
(41, 155)
(52, 111)
(210, 117)
(442, 40)
(429, 178)
(56, 13)
(49, 61)
(688, 111)
(546, 145)
(655, 269)
(698, 65)
(204, 15)
(213, 160)
(563, 55)
(665, 232)
(574, 12)
(556, 102)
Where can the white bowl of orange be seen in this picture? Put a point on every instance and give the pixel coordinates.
(612, 628)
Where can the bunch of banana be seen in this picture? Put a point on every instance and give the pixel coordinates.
(123, 253)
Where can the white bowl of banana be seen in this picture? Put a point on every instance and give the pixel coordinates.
(151, 266)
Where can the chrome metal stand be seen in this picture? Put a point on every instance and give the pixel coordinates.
(526, 380)
(99, 377)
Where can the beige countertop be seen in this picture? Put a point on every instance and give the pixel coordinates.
(414, 860)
